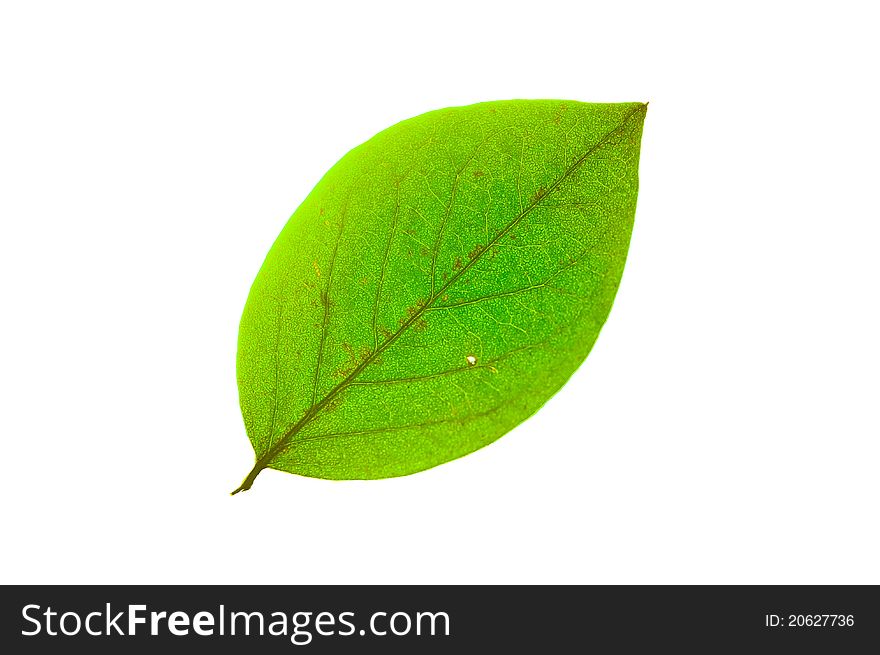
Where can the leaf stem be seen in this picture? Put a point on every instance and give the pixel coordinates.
(249, 480)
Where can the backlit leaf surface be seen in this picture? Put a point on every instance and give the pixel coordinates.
(438, 285)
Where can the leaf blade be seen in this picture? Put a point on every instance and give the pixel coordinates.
(417, 189)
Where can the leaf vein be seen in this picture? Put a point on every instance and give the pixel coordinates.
(325, 301)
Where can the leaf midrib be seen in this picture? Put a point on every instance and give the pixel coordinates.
(287, 439)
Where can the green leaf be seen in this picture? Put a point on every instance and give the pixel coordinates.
(438, 285)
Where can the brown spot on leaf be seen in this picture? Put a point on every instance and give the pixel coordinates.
(355, 358)
(479, 173)
(411, 311)
(343, 371)
(477, 249)
(558, 117)
(540, 193)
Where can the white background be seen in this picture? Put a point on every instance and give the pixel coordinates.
(724, 429)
